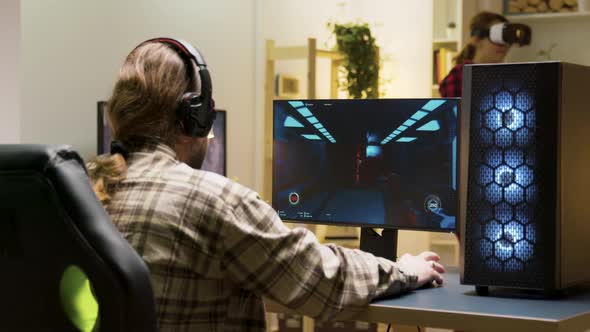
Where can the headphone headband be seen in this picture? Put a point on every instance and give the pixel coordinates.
(181, 46)
(194, 111)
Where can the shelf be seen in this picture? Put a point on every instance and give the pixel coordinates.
(547, 16)
(444, 242)
(446, 43)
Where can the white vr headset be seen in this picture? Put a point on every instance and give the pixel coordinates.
(506, 33)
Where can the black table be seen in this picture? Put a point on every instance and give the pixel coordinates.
(456, 306)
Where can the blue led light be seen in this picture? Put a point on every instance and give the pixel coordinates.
(323, 131)
(312, 120)
(318, 125)
(504, 176)
(514, 265)
(433, 104)
(494, 193)
(506, 124)
(296, 104)
(419, 115)
(486, 212)
(514, 157)
(486, 175)
(531, 233)
(503, 101)
(530, 119)
(486, 248)
(503, 212)
(373, 151)
(397, 131)
(503, 249)
(494, 157)
(311, 137)
(513, 119)
(524, 250)
(524, 101)
(524, 176)
(514, 194)
(494, 265)
(487, 137)
(430, 126)
(493, 231)
(371, 138)
(409, 122)
(487, 103)
(504, 138)
(292, 123)
(304, 111)
(513, 232)
(402, 128)
(493, 120)
(406, 139)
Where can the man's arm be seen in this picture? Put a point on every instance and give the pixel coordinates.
(292, 268)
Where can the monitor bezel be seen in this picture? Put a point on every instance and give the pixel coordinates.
(100, 118)
(225, 154)
(361, 224)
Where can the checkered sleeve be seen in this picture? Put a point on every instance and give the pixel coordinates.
(292, 268)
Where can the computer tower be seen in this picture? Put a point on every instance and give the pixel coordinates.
(524, 205)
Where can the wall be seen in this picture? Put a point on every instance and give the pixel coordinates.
(403, 30)
(73, 49)
(571, 36)
(10, 34)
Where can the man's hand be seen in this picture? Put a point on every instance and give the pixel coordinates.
(425, 266)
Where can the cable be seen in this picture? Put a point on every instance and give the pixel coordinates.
(388, 327)
(418, 327)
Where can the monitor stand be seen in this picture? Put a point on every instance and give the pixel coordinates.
(384, 245)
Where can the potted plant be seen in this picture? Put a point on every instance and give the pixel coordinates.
(361, 62)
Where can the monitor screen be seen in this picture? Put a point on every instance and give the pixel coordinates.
(215, 159)
(384, 163)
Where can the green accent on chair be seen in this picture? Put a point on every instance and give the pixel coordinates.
(77, 299)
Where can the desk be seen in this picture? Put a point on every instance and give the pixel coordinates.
(456, 306)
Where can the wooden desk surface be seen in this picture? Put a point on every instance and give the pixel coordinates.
(456, 306)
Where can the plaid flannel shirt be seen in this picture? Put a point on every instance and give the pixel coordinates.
(214, 249)
(452, 84)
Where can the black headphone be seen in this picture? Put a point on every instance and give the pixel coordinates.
(195, 112)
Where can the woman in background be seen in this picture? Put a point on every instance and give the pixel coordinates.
(477, 50)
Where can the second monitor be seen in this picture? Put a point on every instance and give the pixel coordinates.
(383, 163)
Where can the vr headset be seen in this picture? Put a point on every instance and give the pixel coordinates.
(506, 33)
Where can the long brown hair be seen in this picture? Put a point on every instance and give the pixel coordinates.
(142, 108)
(483, 20)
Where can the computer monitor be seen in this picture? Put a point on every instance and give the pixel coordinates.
(105, 135)
(215, 159)
(376, 163)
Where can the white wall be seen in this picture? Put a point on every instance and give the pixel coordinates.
(571, 36)
(10, 33)
(73, 49)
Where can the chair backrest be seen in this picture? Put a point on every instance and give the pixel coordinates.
(50, 219)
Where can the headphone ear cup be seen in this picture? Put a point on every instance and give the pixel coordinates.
(195, 115)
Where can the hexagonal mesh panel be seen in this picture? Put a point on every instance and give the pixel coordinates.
(503, 237)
